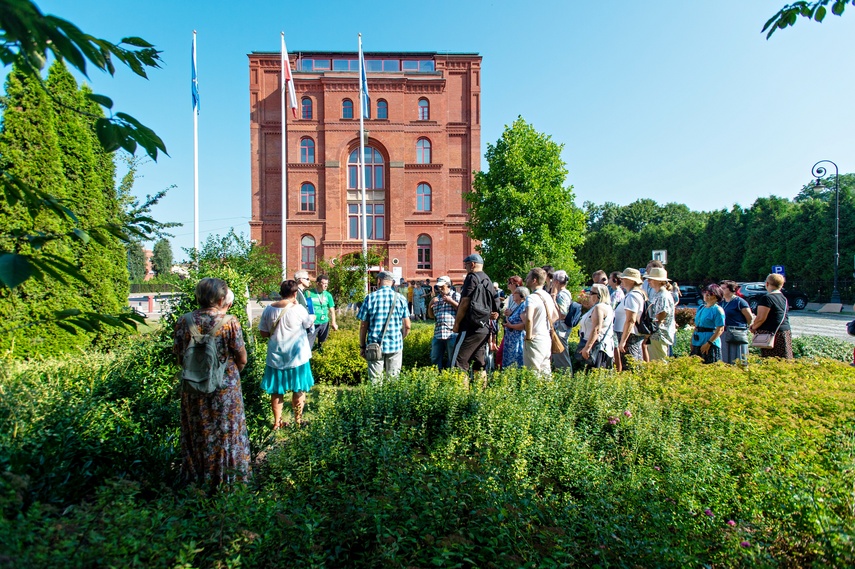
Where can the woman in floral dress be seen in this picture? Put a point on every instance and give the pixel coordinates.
(214, 439)
(515, 331)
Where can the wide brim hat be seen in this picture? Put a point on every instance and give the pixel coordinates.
(631, 274)
(657, 274)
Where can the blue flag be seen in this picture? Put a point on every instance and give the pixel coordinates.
(366, 100)
(194, 82)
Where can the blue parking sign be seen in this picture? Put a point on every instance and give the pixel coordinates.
(778, 270)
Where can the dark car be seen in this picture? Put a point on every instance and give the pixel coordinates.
(752, 291)
(690, 295)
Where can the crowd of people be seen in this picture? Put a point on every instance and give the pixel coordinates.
(623, 314)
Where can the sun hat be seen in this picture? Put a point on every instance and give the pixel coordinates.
(443, 280)
(631, 274)
(657, 274)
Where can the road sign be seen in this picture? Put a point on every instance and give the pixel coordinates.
(660, 255)
(778, 270)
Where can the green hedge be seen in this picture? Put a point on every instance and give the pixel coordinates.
(677, 465)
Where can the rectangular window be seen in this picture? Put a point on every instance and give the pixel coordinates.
(378, 177)
(375, 221)
(423, 257)
(391, 65)
(374, 65)
(343, 65)
(320, 65)
(410, 65)
(426, 65)
(308, 258)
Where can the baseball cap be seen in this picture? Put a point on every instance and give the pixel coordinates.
(443, 280)
(474, 258)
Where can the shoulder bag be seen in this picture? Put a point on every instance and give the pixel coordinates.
(595, 349)
(557, 344)
(766, 340)
(373, 351)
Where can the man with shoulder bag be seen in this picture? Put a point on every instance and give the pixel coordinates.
(443, 309)
(385, 323)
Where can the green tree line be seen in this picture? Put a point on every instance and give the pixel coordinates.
(737, 243)
(50, 142)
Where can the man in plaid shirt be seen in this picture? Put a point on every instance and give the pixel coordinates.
(443, 307)
(373, 313)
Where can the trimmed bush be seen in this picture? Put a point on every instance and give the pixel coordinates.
(684, 316)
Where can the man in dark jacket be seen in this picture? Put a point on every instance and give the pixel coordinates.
(478, 305)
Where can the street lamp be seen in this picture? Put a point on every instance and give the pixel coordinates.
(820, 172)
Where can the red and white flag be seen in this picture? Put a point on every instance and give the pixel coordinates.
(287, 79)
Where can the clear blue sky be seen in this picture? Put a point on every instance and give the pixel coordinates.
(670, 100)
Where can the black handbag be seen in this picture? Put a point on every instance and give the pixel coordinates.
(736, 335)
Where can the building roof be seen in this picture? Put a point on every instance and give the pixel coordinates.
(370, 53)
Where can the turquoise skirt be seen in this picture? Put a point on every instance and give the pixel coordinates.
(281, 381)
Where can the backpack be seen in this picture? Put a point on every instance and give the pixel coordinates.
(482, 302)
(647, 325)
(850, 328)
(202, 371)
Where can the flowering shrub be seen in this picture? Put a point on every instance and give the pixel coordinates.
(684, 316)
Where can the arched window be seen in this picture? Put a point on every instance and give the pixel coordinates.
(424, 110)
(424, 253)
(382, 109)
(423, 151)
(347, 109)
(423, 197)
(307, 197)
(307, 151)
(307, 108)
(375, 195)
(307, 253)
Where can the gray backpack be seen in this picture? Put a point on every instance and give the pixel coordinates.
(202, 370)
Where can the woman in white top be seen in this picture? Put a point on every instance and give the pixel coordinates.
(539, 312)
(288, 353)
(662, 310)
(597, 326)
(626, 317)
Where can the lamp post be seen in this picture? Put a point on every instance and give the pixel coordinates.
(820, 172)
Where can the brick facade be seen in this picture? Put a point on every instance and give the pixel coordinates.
(447, 84)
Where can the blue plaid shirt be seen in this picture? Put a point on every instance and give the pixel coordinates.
(445, 315)
(375, 309)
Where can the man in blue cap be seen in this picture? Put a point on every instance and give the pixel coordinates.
(479, 304)
(385, 321)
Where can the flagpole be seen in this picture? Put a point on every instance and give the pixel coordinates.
(284, 86)
(362, 74)
(195, 160)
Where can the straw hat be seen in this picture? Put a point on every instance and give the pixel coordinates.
(657, 274)
(631, 274)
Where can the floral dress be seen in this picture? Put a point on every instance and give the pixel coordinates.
(214, 439)
(513, 350)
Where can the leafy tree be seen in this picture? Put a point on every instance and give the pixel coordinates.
(520, 209)
(347, 274)
(161, 257)
(812, 10)
(30, 248)
(136, 262)
(262, 268)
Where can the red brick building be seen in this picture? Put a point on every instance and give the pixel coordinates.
(422, 146)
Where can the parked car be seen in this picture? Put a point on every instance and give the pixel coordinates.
(690, 295)
(752, 291)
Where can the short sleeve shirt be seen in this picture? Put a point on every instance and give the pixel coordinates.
(707, 317)
(777, 305)
(375, 310)
(733, 311)
(445, 315)
(633, 301)
(321, 304)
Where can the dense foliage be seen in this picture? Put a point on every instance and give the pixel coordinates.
(161, 257)
(740, 244)
(520, 209)
(347, 274)
(46, 144)
(670, 466)
(254, 262)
